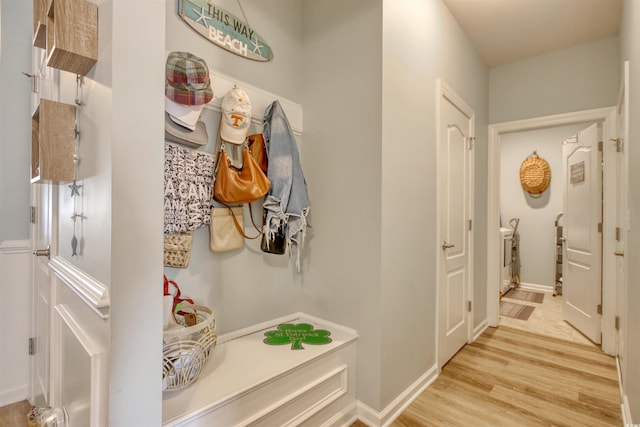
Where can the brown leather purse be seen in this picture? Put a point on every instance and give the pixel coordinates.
(233, 185)
(258, 150)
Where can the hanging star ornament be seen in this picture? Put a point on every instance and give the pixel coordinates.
(75, 188)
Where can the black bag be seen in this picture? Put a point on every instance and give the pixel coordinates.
(276, 245)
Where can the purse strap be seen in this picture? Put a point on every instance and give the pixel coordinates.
(240, 228)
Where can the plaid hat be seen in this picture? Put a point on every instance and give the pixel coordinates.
(236, 116)
(187, 79)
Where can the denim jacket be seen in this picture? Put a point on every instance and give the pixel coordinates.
(287, 201)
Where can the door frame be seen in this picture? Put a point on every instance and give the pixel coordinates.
(606, 115)
(445, 92)
(622, 111)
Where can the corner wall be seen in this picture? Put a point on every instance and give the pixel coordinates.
(630, 50)
(342, 159)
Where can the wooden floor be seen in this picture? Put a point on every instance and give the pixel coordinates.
(14, 415)
(510, 377)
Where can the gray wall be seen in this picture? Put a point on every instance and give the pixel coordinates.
(421, 43)
(630, 50)
(342, 154)
(370, 114)
(537, 214)
(247, 286)
(573, 79)
(15, 120)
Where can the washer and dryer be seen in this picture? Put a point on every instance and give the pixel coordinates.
(510, 272)
(505, 259)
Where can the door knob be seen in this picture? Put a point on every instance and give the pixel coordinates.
(43, 252)
(446, 245)
(618, 253)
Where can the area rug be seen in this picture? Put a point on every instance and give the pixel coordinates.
(515, 311)
(536, 297)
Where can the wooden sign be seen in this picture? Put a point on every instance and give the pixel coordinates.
(577, 173)
(224, 29)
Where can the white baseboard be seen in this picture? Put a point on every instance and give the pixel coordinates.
(344, 417)
(7, 397)
(535, 287)
(624, 406)
(626, 413)
(384, 418)
(478, 330)
(368, 415)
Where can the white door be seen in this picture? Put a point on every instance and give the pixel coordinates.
(582, 207)
(44, 224)
(41, 293)
(455, 201)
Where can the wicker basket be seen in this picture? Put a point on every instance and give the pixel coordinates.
(188, 349)
(535, 175)
(177, 249)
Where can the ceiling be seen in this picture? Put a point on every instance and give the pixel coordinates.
(505, 31)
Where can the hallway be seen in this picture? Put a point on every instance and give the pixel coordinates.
(546, 319)
(512, 377)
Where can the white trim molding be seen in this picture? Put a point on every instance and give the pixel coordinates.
(14, 247)
(478, 330)
(535, 287)
(384, 418)
(93, 292)
(604, 115)
(73, 343)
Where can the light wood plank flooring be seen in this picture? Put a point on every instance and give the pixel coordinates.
(14, 415)
(546, 319)
(510, 377)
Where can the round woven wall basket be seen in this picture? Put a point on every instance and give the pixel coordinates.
(535, 175)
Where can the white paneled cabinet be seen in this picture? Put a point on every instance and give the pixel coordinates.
(248, 382)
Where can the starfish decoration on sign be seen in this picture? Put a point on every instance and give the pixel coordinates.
(257, 46)
(75, 188)
(201, 16)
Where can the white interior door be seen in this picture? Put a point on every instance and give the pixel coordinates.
(455, 198)
(41, 293)
(44, 226)
(582, 207)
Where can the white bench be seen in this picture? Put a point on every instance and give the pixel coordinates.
(248, 382)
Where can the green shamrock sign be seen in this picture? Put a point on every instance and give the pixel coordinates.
(296, 335)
